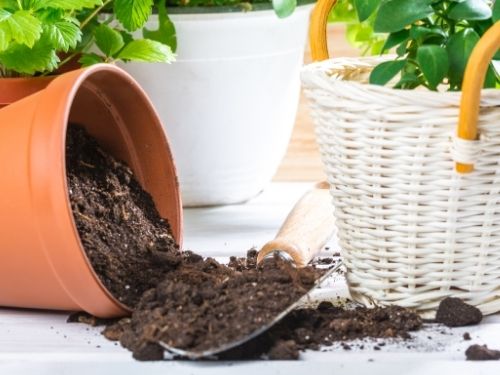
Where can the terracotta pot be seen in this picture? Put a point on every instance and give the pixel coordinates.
(42, 261)
(14, 89)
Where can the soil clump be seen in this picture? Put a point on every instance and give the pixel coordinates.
(453, 312)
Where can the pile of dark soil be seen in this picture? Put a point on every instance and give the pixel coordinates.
(204, 304)
(184, 300)
(128, 244)
(300, 330)
(453, 312)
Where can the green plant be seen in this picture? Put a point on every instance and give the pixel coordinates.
(433, 40)
(40, 36)
(359, 26)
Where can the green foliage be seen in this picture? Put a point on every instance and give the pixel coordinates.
(360, 33)
(386, 71)
(39, 36)
(166, 30)
(133, 14)
(284, 8)
(433, 39)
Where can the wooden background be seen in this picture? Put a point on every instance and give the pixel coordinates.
(302, 161)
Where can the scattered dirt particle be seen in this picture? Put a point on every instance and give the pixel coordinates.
(481, 353)
(466, 336)
(453, 312)
(83, 317)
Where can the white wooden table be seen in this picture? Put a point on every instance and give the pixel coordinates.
(35, 342)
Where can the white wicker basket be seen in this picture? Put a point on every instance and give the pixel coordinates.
(412, 229)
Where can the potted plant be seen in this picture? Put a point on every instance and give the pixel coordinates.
(410, 145)
(230, 99)
(41, 38)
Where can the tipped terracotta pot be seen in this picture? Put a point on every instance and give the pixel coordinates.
(14, 89)
(42, 261)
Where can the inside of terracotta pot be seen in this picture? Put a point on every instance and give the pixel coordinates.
(118, 114)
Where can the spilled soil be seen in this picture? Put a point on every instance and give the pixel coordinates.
(204, 305)
(189, 302)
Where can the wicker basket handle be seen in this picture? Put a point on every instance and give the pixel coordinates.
(473, 80)
(475, 74)
(317, 30)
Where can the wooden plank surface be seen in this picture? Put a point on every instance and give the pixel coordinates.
(302, 161)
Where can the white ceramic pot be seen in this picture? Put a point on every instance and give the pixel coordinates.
(229, 101)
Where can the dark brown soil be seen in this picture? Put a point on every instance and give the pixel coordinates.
(181, 326)
(189, 302)
(204, 305)
(315, 328)
(128, 244)
(481, 353)
(453, 312)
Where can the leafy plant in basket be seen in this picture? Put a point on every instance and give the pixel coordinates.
(38, 37)
(433, 39)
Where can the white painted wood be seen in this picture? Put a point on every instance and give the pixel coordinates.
(36, 342)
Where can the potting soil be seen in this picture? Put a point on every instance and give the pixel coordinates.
(184, 300)
(128, 244)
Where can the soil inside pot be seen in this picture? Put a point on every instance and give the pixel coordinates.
(128, 244)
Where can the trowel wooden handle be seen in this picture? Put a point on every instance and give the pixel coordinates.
(307, 228)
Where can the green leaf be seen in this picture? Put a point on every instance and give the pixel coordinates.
(165, 33)
(8, 4)
(64, 35)
(4, 40)
(24, 28)
(284, 8)
(108, 40)
(401, 50)
(395, 15)
(343, 12)
(23, 59)
(496, 11)
(89, 59)
(470, 10)
(386, 71)
(408, 81)
(146, 50)
(133, 14)
(4, 14)
(459, 48)
(365, 8)
(422, 33)
(68, 4)
(396, 38)
(490, 80)
(434, 63)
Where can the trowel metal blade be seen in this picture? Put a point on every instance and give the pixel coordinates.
(221, 349)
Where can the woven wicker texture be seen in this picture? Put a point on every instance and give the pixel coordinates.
(412, 230)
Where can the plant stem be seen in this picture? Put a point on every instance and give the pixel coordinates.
(93, 14)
